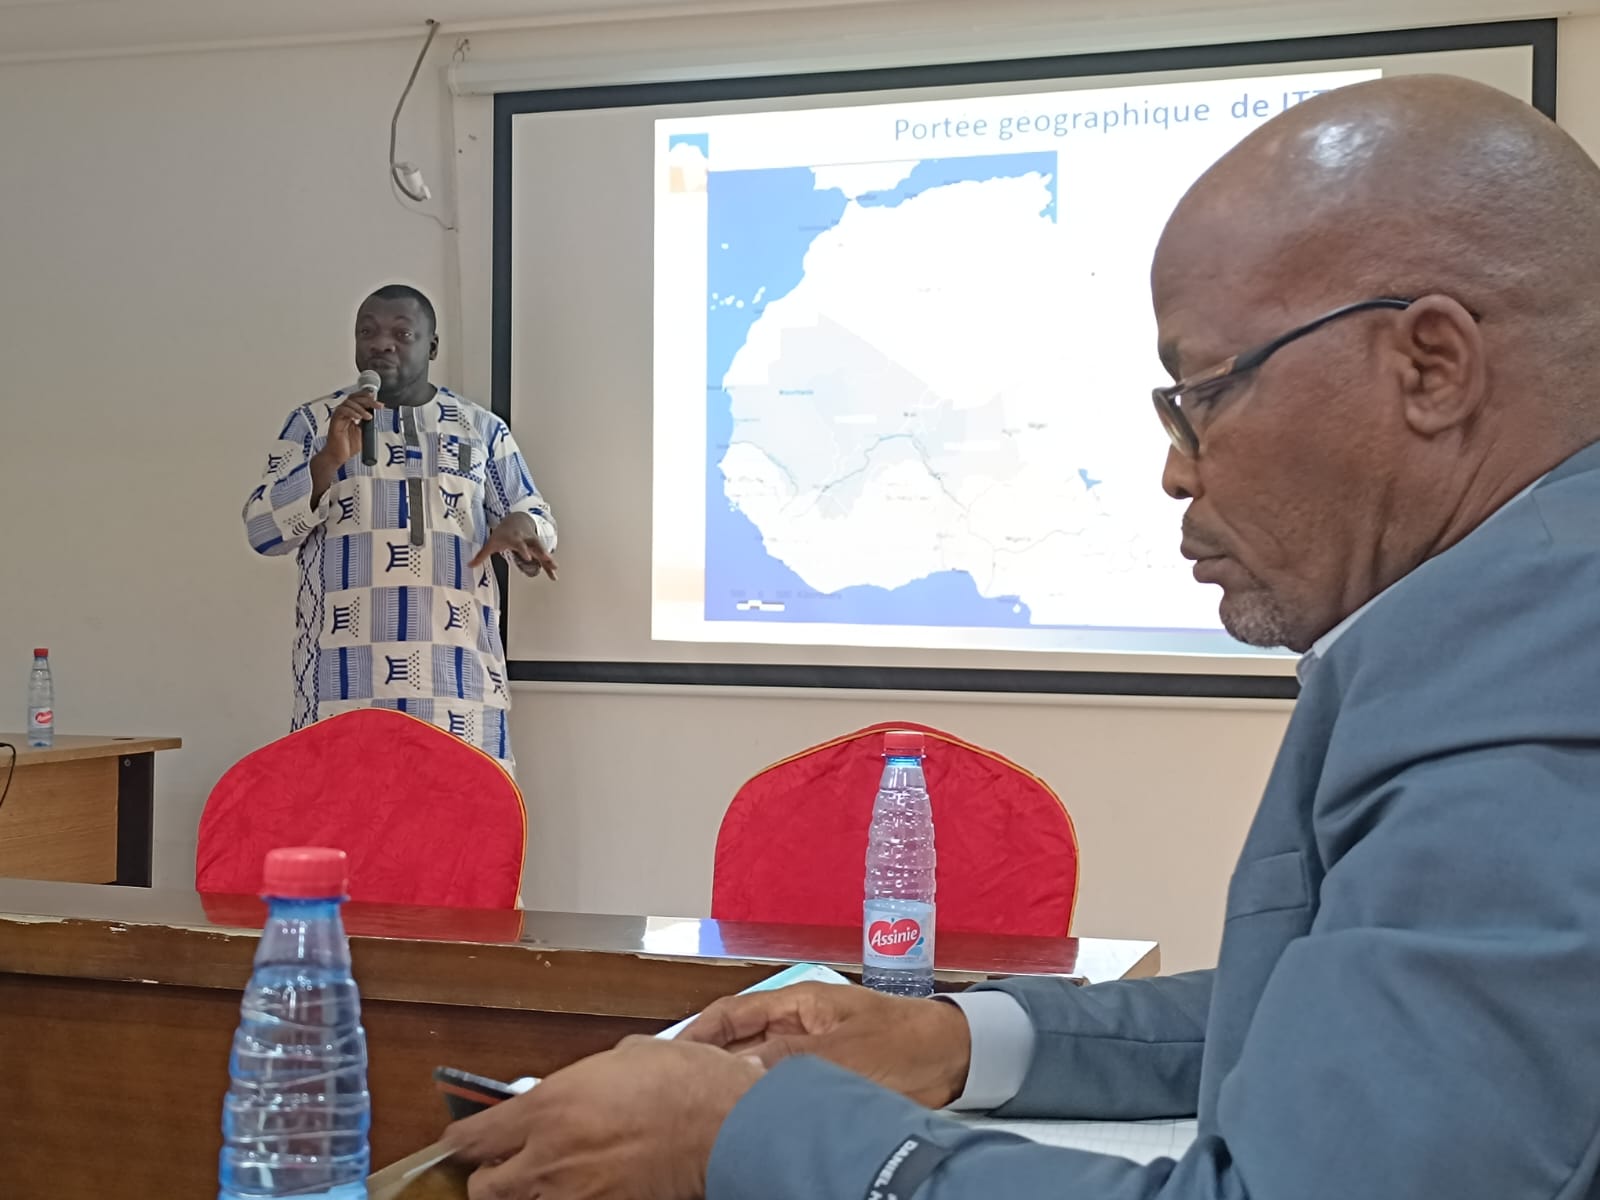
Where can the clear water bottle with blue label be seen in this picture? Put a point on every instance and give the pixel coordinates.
(41, 702)
(296, 1116)
(897, 930)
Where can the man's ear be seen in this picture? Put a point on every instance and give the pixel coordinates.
(1444, 365)
(433, 347)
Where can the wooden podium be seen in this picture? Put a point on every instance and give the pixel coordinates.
(81, 811)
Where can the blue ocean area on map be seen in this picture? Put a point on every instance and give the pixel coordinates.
(760, 225)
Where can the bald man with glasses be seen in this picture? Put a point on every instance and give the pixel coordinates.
(1382, 310)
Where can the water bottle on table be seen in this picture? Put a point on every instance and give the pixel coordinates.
(41, 702)
(297, 1111)
(897, 932)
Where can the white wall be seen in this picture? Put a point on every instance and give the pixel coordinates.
(183, 239)
(182, 243)
(1578, 80)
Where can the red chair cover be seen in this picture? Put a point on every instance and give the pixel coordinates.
(425, 818)
(792, 847)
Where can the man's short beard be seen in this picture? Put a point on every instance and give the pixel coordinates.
(1257, 619)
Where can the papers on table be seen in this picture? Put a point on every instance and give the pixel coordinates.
(1142, 1141)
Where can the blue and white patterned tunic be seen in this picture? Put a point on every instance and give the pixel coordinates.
(388, 615)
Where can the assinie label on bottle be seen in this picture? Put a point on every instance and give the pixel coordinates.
(897, 935)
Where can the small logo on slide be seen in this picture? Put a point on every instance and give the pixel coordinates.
(687, 155)
(894, 940)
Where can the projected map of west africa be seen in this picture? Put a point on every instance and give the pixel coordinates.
(920, 350)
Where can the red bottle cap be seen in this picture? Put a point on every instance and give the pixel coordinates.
(40, 652)
(903, 743)
(304, 873)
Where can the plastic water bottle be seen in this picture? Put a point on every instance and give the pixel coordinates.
(897, 931)
(41, 702)
(297, 1111)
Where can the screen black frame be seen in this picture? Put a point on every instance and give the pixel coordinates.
(1538, 35)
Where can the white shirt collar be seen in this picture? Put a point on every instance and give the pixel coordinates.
(1323, 644)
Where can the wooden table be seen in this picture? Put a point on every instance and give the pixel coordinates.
(81, 811)
(117, 1007)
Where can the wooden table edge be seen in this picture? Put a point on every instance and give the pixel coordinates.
(77, 747)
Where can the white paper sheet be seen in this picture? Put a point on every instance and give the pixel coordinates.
(1141, 1141)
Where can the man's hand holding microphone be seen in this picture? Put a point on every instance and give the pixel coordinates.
(351, 429)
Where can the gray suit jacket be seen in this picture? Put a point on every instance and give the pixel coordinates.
(1407, 1000)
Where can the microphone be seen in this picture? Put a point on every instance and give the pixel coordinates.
(369, 381)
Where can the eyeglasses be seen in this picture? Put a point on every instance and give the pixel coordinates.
(1170, 400)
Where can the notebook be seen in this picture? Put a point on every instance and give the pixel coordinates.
(1141, 1141)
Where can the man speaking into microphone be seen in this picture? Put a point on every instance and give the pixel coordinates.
(397, 606)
